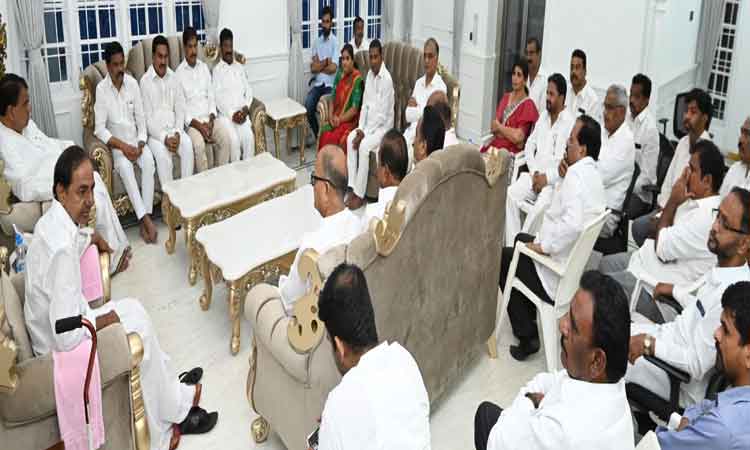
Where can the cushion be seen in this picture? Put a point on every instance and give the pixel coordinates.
(15, 326)
(24, 215)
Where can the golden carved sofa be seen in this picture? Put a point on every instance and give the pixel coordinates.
(138, 61)
(406, 65)
(28, 418)
(432, 267)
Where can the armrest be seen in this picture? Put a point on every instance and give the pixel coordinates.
(257, 119)
(542, 259)
(672, 372)
(323, 112)
(5, 191)
(101, 154)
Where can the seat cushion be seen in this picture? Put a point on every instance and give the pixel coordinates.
(15, 326)
(24, 215)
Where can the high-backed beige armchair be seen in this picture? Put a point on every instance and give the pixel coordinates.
(432, 267)
(406, 65)
(28, 417)
(138, 61)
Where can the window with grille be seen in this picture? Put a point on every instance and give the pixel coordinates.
(97, 23)
(374, 18)
(54, 49)
(146, 19)
(190, 13)
(718, 82)
(351, 11)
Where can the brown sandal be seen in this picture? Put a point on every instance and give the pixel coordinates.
(198, 392)
(174, 442)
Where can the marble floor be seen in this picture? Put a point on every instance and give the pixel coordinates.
(193, 337)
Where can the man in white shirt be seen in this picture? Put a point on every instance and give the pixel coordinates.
(687, 343)
(30, 157)
(233, 99)
(381, 401)
(54, 292)
(121, 124)
(375, 118)
(164, 106)
(439, 100)
(576, 200)
(423, 88)
(582, 99)
(206, 133)
(584, 405)
(739, 172)
(678, 254)
(358, 42)
(617, 158)
(537, 81)
(393, 162)
(544, 150)
(643, 125)
(339, 225)
(696, 120)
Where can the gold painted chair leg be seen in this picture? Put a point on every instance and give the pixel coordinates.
(142, 434)
(276, 141)
(492, 347)
(205, 299)
(167, 214)
(303, 136)
(235, 291)
(190, 243)
(260, 429)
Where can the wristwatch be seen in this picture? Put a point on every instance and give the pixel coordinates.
(648, 348)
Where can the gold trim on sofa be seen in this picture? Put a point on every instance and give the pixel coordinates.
(387, 231)
(8, 355)
(141, 434)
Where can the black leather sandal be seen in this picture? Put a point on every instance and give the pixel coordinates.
(198, 421)
(192, 377)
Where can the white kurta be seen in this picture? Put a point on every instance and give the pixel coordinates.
(198, 89)
(646, 137)
(450, 138)
(377, 209)
(616, 164)
(538, 90)
(680, 160)
(30, 160)
(738, 175)
(233, 92)
(364, 46)
(687, 342)
(381, 403)
(584, 102)
(53, 291)
(572, 415)
(375, 119)
(334, 230)
(421, 94)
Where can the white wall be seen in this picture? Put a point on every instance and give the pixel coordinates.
(436, 22)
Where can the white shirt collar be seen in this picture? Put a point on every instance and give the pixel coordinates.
(640, 118)
(62, 218)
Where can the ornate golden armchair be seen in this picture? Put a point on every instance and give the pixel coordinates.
(138, 62)
(28, 417)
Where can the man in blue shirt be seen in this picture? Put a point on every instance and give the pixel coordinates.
(722, 424)
(323, 67)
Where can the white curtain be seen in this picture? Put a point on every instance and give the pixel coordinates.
(296, 81)
(408, 11)
(712, 19)
(31, 25)
(389, 8)
(458, 31)
(211, 10)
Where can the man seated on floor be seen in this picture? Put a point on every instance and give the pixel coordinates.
(739, 172)
(393, 161)
(582, 406)
(121, 125)
(54, 292)
(722, 423)
(687, 343)
(375, 118)
(576, 200)
(696, 120)
(358, 42)
(646, 136)
(439, 100)
(544, 150)
(233, 99)
(423, 88)
(339, 225)
(678, 254)
(30, 158)
(207, 134)
(381, 401)
(164, 106)
(430, 135)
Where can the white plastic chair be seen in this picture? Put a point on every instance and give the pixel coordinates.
(649, 442)
(570, 276)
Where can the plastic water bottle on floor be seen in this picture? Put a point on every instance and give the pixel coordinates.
(21, 248)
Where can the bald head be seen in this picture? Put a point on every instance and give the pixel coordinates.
(439, 100)
(330, 187)
(437, 97)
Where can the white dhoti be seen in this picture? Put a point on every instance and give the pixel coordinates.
(143, 199)
(358, 161)
(167, 401)
(240, 136)
(107, 223)
(409, 136)
(163, 157)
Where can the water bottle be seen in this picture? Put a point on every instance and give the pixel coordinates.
(21, 247)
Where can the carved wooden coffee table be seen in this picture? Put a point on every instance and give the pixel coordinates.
(254, 246)
(286, 114)
(219, 193)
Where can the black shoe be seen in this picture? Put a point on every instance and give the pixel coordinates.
(198, 421)
(524, 349)
(192, 377)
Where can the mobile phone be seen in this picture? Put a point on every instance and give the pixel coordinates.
(312, 439)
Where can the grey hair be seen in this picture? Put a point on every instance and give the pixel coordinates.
(338, 179)
(620, 93)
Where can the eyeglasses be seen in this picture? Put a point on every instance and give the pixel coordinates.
(314, 178)
(723, 222)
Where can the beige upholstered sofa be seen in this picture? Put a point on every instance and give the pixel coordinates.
(28, 418)
(406, 65)
(432, 269)
(138, 61)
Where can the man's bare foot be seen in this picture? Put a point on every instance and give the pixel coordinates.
(354, 202)
(148, 230)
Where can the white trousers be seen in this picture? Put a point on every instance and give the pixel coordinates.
(163, 157)
(107, 223)
(240, 136)
(519, 193)
(167, 401)
(143, 200)
(409, 136)
(358, 161)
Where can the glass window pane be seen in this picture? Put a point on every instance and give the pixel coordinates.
(60, 33)
(91, 23)
(305, 10)
(50, 28)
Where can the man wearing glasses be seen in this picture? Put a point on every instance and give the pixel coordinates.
(339, 224)
(678, 254)
(687, 343)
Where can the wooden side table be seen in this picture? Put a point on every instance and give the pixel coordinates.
(285, 113)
